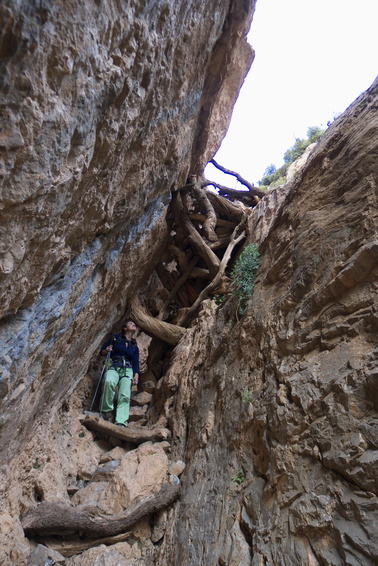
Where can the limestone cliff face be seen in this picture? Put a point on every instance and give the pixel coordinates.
(276, 413)
(109, 106)
(104, 107)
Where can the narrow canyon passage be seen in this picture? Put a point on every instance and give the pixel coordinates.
(253, 437)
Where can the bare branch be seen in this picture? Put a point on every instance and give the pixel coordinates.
(178, 284)
(58, 518)
(235, 239)
(211, 217)
(250, 198)
(170, 333)
(253, 190)
(220, 221)
(211, 260)
(225, 207)
(131, 434)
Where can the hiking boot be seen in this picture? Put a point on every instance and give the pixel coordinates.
(125, 425)
(106, 416)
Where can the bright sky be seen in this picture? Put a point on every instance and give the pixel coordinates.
(313, 59)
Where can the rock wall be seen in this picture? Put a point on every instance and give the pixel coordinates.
(275, 412)
(107, 108)
(103, 107)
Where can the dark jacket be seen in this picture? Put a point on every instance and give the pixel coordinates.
(123, 348)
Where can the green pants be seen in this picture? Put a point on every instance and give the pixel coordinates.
(121, 377)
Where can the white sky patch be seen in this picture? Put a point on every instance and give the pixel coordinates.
(313, 59)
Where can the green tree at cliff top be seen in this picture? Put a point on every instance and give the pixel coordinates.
(273, 176)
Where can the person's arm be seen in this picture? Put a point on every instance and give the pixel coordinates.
(136, 366)
(107, 347)
(104, 351)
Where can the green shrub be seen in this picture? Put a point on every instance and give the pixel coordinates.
(219, 299)
(247, 397)
(243, 274)
(298, 149)
(239, 477)
(270, 179)
(274, 177)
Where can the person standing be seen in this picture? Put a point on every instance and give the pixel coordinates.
(123, 373)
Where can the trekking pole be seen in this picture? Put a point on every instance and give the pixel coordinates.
(100, 380)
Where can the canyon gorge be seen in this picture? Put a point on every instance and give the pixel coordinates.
(253, 437)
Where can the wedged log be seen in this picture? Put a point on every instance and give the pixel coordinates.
(167, 332)
(211, 217)
(221, 243)
(178, 284)
(224, 206)
(199, 272)
(253, 197)
(246, 197)
(165, 277)
(235, 239)
(91, 520)
(251, 188)
(130, 434)
(182, 257)
(220, 222)
(207, 254)
(182, 219)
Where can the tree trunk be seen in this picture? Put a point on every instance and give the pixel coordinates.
(129, 434)
(58, 518)
(167, 332)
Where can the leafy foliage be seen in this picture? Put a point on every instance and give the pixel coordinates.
(274, 177)
(219, 299)
(243, 274)
(247, 397)
(239, 477)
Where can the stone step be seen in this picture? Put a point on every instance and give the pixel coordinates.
(141, 399)
(137, 413)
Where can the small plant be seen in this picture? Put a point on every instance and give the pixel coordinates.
(81, 434)
(219, 299)
(247, 397)
(239, 477)
(244, 274)
(37, 464)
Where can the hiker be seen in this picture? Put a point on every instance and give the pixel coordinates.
(123, 373)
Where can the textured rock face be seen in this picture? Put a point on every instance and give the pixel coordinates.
(273, 414)
(103, 107)
(276, 413)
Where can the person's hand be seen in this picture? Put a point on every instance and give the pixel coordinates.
(136, 379)
(108, 348)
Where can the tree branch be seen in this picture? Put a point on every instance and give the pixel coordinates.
(253, 190)
(235, 239)
(58, 518)
(225, 207)
(178, 284)
(211, 260)
(167, 332)
(211, 217)
(130, 434)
